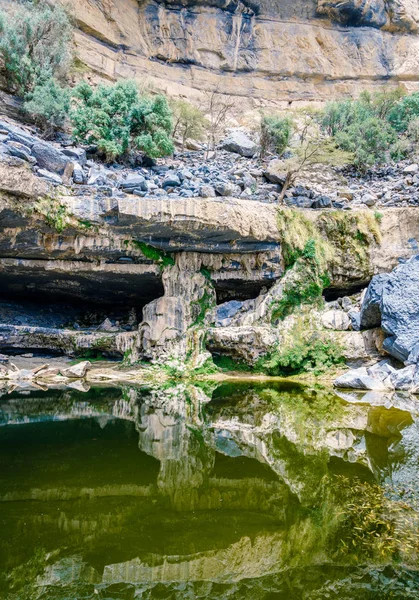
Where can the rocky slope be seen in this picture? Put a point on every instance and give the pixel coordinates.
(267, 52)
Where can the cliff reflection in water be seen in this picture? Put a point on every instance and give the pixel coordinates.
(262, 491)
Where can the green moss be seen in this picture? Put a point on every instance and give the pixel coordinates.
(54, 213)
(152, 253)
(202, 306)
(313, 249)
(206, 273)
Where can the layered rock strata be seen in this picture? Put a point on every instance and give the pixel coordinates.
(271, 52)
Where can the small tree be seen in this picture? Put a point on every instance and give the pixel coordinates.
(117, 119)
(218, 109)
(275, 133)
(312, 147)
(34, 45)
(189, 121)
(49, 105)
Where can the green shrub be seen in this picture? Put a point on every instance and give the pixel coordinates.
(275, 134)
(369, 140)
(368, 127)
(34, 45)
(316, 355)
(404, 111)
(117, 119)
(412, 131)
(48, 104)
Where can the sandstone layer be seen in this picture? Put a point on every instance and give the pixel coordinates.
(267, 52)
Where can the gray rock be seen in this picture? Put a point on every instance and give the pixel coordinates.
(228, 310)
(382, 370)
(400, 309)
(402, 379)
(359, 379)
(78, 174)
(224, 188)
(171, 180)
(49, 158)
(276, 172)
(21, 151)
(18, 135)
(77, 371)
(76, 154)
(206, 191)
(336, 319)
(355, 317)
(370, 315)
(134, 181)
(239, 143)
(322, 202)
(369, 199)
(391, 347)
(411, 169)
(52, 177)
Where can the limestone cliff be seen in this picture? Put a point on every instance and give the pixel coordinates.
(269, 52)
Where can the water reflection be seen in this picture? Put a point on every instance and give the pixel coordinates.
(250, 491)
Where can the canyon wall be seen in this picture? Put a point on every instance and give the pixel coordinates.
(271, 53)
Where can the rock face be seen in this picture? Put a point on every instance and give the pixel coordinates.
(268, 51)
(400, 309)
(370, 314)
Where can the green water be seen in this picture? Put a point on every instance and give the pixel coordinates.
(242, 492)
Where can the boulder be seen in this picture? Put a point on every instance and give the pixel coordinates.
(225, 188)
(402, 379)
(400, 309)
(276, 172)
(239, 143)
(206, 191)
(77, 371)
(49, 158)
(171, 180)
(411, 169)
(134, 181)
(322, 202)
(336, 319)
(369, 199)
(359, 379)
(21, 151)
(76, 154)
(78, 174)
(227, 311)
(355, 317)
(51, 177)
(370, 315)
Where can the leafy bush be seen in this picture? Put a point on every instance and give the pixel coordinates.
(117, 119)
(368, 127)
(404, 111)
(369, 140)
(189, 121)
(34, 45)
(315, 355)
(49, 105)
(275, 134)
